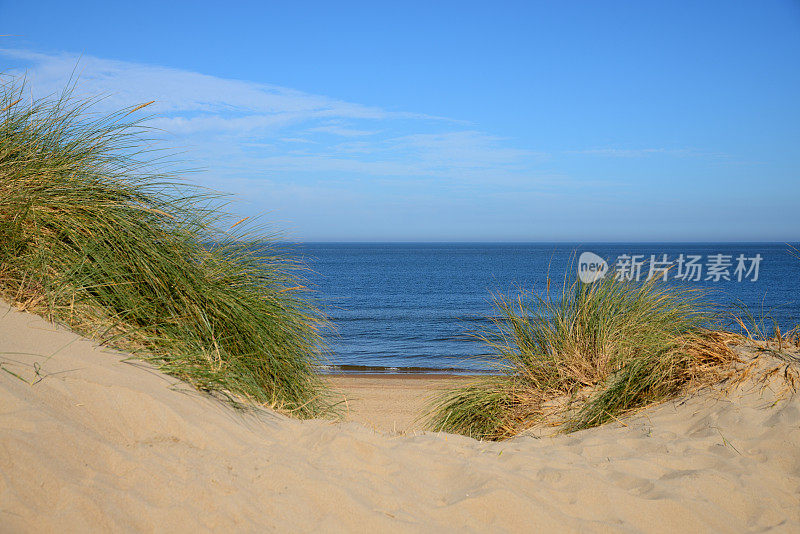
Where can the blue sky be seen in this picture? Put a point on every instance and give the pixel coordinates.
(534, 121)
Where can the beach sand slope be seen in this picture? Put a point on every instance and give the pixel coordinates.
(91, 441)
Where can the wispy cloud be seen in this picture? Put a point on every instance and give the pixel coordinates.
(647, 152)
(335, 129)
(181, 91)
(466, 149)
(620, 152)
(262, 128)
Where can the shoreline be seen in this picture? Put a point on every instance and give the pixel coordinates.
(328, 370)
(395, 375)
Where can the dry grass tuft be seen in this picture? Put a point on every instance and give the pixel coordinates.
(592, 354)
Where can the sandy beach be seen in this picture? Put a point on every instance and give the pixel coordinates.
(91, 440)
(392, 403)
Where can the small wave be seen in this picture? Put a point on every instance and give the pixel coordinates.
(379, 369)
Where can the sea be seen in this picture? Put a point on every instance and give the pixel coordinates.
(416, 307)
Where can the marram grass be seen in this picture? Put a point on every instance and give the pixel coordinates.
(94, 236)
(590, 355)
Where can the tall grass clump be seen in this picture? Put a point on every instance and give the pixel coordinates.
(95, 234)
(590, 354)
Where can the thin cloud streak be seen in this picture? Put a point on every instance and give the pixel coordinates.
(218, 117)
(647, 152)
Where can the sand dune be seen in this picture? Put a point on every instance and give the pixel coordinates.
(97, 443)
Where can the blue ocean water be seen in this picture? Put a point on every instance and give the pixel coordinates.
(404, 307)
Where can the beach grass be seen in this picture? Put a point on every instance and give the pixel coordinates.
(98, 233)
(763, 328)
(586, 355)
